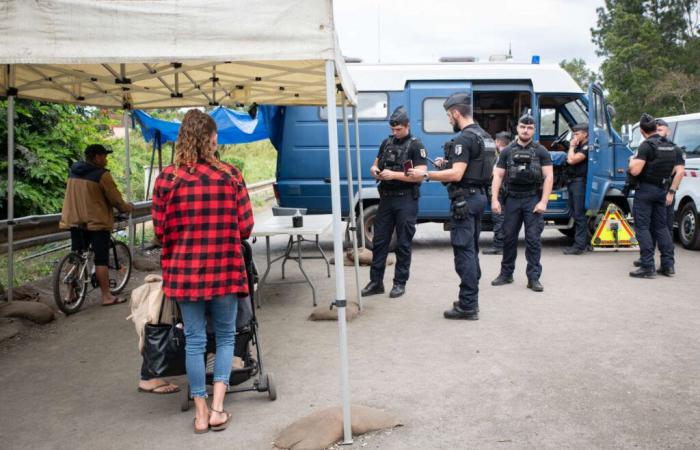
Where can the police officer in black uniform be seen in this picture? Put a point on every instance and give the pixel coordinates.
(577, 161)
(527, 169)
(398, 203)
(466, 171)
(503, 139)
(656, 166)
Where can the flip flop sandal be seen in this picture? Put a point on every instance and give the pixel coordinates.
(154, 391)
(221, 426)
(117, 301)
(197, 430)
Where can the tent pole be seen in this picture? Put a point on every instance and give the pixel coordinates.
(129, 196)
(340, 301)
(359, 177)
(10, 182)
(156, 140)
(351, 198)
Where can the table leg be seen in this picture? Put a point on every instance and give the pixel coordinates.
(261, 282)
(301, 268)
(323, 255)
(287, 251)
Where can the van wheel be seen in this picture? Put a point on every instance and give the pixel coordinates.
(370, 214)
(688, 227)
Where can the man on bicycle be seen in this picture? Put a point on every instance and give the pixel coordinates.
(87, 211)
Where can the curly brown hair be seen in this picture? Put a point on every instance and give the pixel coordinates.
(193, 140)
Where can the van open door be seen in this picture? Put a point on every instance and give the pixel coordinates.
(600, 154)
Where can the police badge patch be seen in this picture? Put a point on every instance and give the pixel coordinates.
(458, 149)
(423, 153)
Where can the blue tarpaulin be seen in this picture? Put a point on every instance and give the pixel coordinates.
(234, 127)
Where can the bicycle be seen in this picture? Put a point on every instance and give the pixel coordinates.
(75, 273)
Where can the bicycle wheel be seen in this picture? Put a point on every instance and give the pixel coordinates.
(69, 288)
(119, 266)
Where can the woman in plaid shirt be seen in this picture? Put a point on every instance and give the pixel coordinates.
(201, 211)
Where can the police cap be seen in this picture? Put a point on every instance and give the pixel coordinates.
(661, 123)
(526, 119)
(457, 99)
(583, 126)
(96, 149)
(399, 117)
(647, 123)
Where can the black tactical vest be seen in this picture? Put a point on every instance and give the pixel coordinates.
(393, 156)
(523, 169)
(660, 162)
(480, 166)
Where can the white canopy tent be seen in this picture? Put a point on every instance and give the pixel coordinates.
(180, 53)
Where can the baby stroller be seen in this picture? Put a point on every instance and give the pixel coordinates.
(246, 338)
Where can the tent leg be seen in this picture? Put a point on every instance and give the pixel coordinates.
(358, 162)
(127, 162)
(10, 193)
(351, 198)
(340, 300)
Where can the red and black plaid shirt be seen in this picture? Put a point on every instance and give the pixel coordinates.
(200, 217)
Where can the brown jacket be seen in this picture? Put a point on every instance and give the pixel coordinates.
(90, 196)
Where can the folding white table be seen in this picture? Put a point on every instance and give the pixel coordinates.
(282, 225)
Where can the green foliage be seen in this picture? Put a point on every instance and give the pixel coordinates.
(578, 70)
(51, 137)
(652, 50)
(48, 139)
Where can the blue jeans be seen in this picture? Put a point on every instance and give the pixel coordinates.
(223, 312)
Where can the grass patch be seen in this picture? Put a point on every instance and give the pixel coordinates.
(258, 160)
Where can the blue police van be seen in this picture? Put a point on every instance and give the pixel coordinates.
(501, 92)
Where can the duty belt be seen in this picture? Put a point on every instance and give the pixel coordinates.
(522, 194)
(395, 193)
(571, 180)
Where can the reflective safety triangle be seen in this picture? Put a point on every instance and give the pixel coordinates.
(613, 230)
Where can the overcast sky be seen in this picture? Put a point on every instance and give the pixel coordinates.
(393, 31)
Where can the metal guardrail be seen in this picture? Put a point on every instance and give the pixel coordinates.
(38, 230)
(31, 231)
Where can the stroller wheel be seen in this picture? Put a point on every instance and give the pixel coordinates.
(271, 389)
(185, 398)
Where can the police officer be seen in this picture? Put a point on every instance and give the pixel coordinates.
(502, 141)
(466, 171)
(663, 131)
(527, 169)
(656, 165)
(577, 160)
(398, 203)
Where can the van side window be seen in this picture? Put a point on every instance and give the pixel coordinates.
(548, 124)
(434, 117)
(370, 106)
(688, 136)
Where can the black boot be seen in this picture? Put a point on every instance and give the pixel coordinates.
(666, 271)
(637, 263)
(535, 285)
(492, 251)
(457, 313)
(373, 288)
(501, 280)
(643, 273)
(397, 291)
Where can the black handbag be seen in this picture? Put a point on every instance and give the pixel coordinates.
(164, 347)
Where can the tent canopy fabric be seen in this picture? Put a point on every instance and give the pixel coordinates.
(234, 127)
(170, 53)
